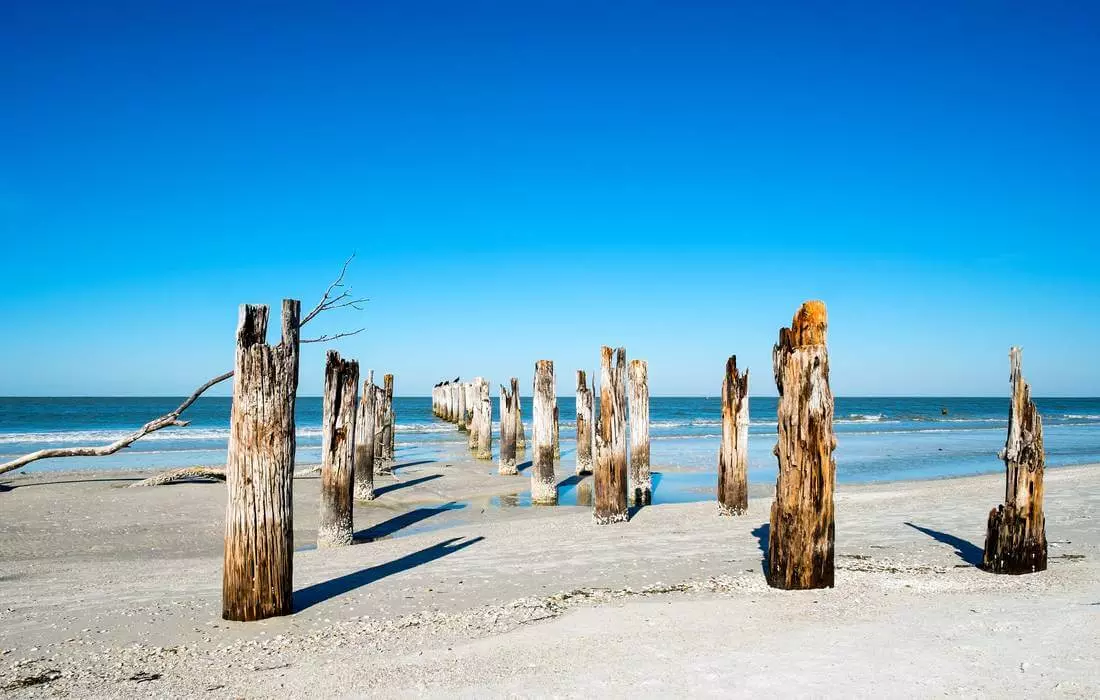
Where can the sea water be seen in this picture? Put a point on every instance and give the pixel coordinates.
(877, 438)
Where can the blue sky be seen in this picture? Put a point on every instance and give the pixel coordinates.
(532, 180)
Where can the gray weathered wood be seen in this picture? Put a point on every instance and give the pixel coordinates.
(544, 489)
(521, 439)
(364, 444)
(802, 530)
(733, 454)
(1016, 540)
(641, 481)
(507, 463)
(584, 424)
(388, 419)
(257, 577)
(610, 482)
(484, 421)
(338, 406)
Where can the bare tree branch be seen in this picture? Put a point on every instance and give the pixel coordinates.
(327, 303)
(334, 336)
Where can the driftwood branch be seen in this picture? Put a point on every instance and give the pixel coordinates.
(328, 302)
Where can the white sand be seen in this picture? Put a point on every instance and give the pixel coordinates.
(112, 591)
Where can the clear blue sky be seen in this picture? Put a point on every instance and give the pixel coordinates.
(526, 180)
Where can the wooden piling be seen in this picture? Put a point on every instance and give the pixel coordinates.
(380, 464)
(473, 398)
(463, 425)
(733, 454)
(584, 424)
(338, 406)
(1015, 540)
(610, 481)
(802, 530)
(484, 421)
(557, 431)
(507, 463)
(387, 418)
(544, 488)
(364, 444)
(521, 439)
(641, 481)
(257, 579)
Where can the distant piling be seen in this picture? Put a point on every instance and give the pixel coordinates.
(388, 419)
(338, 410)
(484, 421)
(507, 463)
(584, 424)
(641, 481)
(521, 439)
(733, 454)
(364, 444)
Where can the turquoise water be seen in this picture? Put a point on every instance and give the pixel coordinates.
(878, 438)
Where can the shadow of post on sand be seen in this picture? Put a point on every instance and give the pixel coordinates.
(967, 551)
(404, 520)
(320, 592)
(405, 484)
(761, 534)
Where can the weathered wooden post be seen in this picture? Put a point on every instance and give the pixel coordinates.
(475, 415)
(733, 455)
(387, 419)
(379, 423)
(337, 450)
(639, 433)
(470, 390)
(521, 439)
(452, 403)
(800, 541)
(507, 464)
(364, 443)
(557, 432)
(1016, 540)
(544, 487)
(259, 548)
(584, 424)
(462, 420)
(611, 478)
(484, 421)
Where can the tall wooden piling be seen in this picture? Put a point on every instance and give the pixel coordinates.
(800, 541)
(257, 580)
(462, 419)
(611, 475)
(338, 406)
(584, 424)
(484, 421)
(364, 444)
(387, 418)
(507, 463)
(380, 464)
(733, 454)
(521, 439)
(1016, 540)
(640, 479)
(473, 398)
(544, 488)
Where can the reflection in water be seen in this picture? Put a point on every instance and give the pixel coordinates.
(509, 501)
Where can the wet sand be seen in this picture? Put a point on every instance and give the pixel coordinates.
(113, 591)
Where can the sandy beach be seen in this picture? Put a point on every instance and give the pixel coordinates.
(110, 591)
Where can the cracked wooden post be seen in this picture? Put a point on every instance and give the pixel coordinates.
(463, 424)
(557, 432)
(484, 421)
(733, 455)
(387, 418)
(611, 478)
(472, 399)
(544, 487)
(364, 443)
(507, 464)
(802, 530)
(1016, 540)
(584, 424)
(257, 579)
(521, 439)
(639, 433)
(338, 406)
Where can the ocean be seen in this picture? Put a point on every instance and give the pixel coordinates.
(878, 439)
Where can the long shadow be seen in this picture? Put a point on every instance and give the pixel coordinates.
(761, 534)
(570, 481)
(412, 464)
(405, 484)
(319, 592)
(524, 465)
(400, 522)
(967, 551)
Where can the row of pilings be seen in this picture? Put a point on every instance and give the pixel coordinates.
(357, 439)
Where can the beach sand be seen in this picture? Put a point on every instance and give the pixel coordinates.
(113, 591)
